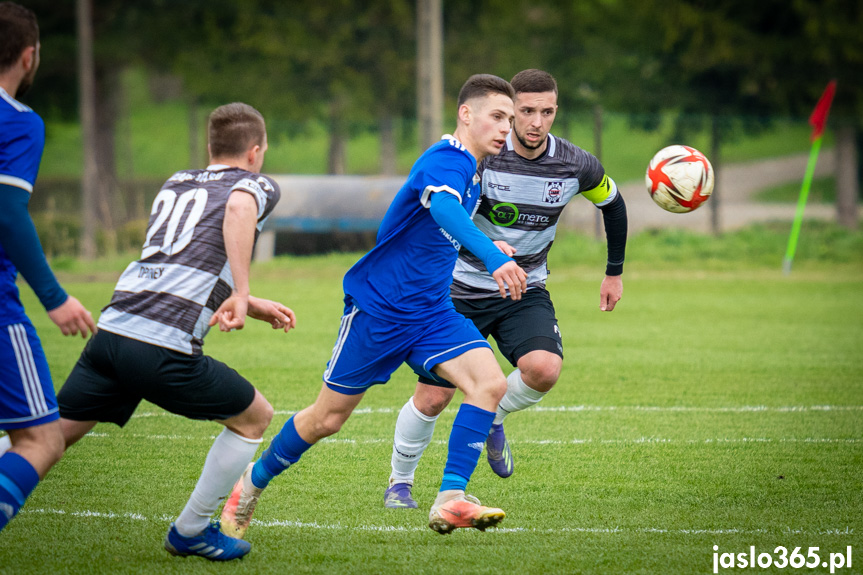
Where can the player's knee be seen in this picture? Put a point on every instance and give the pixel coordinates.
(263, 417)
(328, 425)
(432, 400)
(541, 375)
(496, 388)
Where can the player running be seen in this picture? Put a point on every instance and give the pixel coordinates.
(398, 309)
(28, 407)
(193, 273)
(524, 191)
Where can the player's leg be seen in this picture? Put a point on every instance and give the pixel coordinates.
(202, 388)
(228, 458)
(477, 374)
(323, 418)
(28, 412)
(527, 334)
(413, 434)
(367, 351)
(34, 450)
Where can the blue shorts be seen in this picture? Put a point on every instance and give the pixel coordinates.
(26, 392)
(369, 349)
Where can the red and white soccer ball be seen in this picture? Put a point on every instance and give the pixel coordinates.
(679, 179)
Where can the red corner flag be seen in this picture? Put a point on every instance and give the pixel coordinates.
(822, 109)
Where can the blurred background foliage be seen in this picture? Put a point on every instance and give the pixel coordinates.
(337, 83)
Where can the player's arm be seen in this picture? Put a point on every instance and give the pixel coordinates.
(448, 212)
(21, 243)
(238, 229)
(608, 198)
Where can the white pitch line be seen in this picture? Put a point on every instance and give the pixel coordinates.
(576, 441)
(599, 408)
(501, 530)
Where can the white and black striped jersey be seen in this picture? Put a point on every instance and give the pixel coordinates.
(521, 203)
(167, 297)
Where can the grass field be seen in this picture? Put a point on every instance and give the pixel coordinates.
(720, 404)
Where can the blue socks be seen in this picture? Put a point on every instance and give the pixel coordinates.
(469, 432)
(285, 450)
(17, 481)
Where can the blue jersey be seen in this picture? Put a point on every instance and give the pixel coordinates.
(407, 275)
(22, 138)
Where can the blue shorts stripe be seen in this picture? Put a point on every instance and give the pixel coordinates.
(452, 349)
(26, 391)
(27, 367)
(344, 330)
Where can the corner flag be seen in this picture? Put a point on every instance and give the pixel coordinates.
(817, 120)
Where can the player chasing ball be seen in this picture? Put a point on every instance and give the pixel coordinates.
(398, 310)
(193, 274)
(524, 190)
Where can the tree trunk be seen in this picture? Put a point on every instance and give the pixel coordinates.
(195, 154)
(847, 182)
(87, 109)
(337, 157)
(429, 71)
(389, 155)
(715, 161)
(107, 107)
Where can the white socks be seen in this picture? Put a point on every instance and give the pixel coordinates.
(518, 396)
(413, 434)
(227, 460)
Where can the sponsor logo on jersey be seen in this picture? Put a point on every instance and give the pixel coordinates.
(553, 192)
(504, 214)
(501, 187)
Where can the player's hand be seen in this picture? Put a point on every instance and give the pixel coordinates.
(511, 276)
(610, 292)
(505, 248)
(73, 318)
(231, 314)
(274, 313)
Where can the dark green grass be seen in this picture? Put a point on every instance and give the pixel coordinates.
(720, 404)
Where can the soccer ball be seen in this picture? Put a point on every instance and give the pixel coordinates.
(679, 179)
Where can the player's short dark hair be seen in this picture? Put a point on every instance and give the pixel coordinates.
(534, 81)
(480, 85)
(18, 30)
(234, 128)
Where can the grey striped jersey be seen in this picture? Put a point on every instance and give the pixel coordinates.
(167, 297)
(521, 203)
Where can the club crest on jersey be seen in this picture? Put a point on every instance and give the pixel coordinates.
(553, 192)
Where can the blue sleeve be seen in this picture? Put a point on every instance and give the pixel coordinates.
(21, 243)
(448, 212)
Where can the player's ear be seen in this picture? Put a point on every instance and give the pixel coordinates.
(465, 113)
(28, 58)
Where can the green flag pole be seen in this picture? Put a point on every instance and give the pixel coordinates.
(801, 206)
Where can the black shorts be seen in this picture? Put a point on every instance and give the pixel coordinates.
(114, 373)
(518, 327)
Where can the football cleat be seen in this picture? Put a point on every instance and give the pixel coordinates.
(210, 544)
(238, 510)
(398, 496)
(462, 512)
(498, 452)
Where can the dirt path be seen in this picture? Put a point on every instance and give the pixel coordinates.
(735, 185)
